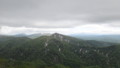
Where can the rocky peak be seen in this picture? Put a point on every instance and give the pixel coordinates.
(58, 36)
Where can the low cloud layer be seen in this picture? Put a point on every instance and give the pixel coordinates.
(59, 13)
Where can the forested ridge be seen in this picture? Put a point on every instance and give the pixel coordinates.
(57, 51)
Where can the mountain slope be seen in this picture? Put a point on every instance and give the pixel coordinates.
(104, 38)
(59, 50)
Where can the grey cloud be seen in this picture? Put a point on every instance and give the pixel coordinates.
(26, 12)
(104, 17)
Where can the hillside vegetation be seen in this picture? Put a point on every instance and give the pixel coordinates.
(57, 51)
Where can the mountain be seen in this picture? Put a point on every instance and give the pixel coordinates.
(105, 38)
(20, 35)
(58, 51)
(32, 36)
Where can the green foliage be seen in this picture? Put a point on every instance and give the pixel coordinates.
(60, 52)
(92, 67)
(59, 66)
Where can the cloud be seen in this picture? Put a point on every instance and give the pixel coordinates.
(23, 30)
(58, 13)
(83, 29)
(24, 12)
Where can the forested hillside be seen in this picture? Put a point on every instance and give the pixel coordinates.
(57, 51)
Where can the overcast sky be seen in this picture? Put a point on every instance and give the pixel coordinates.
(62, 16)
